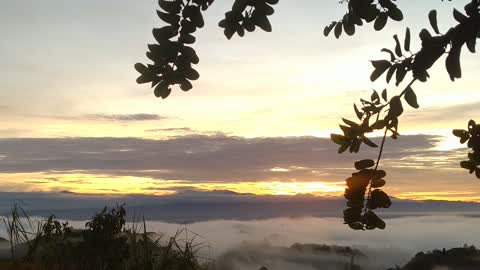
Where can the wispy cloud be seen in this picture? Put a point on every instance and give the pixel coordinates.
(111, 117)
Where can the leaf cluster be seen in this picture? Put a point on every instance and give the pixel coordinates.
(172, 56)
(433, 46)
(364, 195)
(368, 11)
(247, 15)
(472, 138)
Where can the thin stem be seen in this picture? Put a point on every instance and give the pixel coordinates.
(376, 168)
(381, 148)
(408, 86)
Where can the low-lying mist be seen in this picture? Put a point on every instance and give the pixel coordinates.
(249, 245)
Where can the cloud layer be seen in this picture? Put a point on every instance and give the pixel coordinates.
(413, 163)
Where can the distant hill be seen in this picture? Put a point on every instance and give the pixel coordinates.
(193, 206)
(467, 258)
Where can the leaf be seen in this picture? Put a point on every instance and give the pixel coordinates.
(349, 28)
(380, 124)
(411, 98)
(164, 33)
(343, 148)
(378, 183)
(262, 22)
(471, 44)
(384, 94)
(398, 48)
(380, 67)
(357, 112)
(375, 98)
(350, 123)
(396, 108)
(396, 14)
(453, 63)
(352, 215)
(373, 221)
(459, 17)
(379, 174)
(390, 73)
(400, 75)
(469, 165)
(380, 22)
(329, 29)
(392, 56)
(368, 142)
(338, 29)
(190, 54)
(460, 133)
(338, 139)
(186, 85)
(162, 90)
(364, 164)
(406, 44)
(432, 16)
(170, 7)
(379, 199)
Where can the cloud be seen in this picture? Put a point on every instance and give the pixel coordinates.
(112, 117)
(125, 117)
(217, 158)
(446, 113)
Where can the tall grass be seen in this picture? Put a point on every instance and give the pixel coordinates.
(106, 243)
(21, 230)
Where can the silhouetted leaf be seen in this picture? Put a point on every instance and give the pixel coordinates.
(378, 183)
(357, 112)
(162, 90)
(379, 199)
(350, 123)
(453, 63)
(390, 73)
(411, 97)
(380, 22)
(469, 165)
(329, 28)
(343, 148)
(363, 164)
(406, 44)
(471, 44)
(338, 29)
(338, 139)
(398, 48)
(380, 67)
(380, 124)
(396, 108)
(262, 22)
(460, 17)
(384, 94)
(396, 14)
(368, 142)
(432, 16)
(392, 56)
(373, 221)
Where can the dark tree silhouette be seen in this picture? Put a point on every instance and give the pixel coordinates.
(173, 59)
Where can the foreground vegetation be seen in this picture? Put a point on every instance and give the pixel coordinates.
(106, 243)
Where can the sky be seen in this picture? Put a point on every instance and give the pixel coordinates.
(257, 121)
